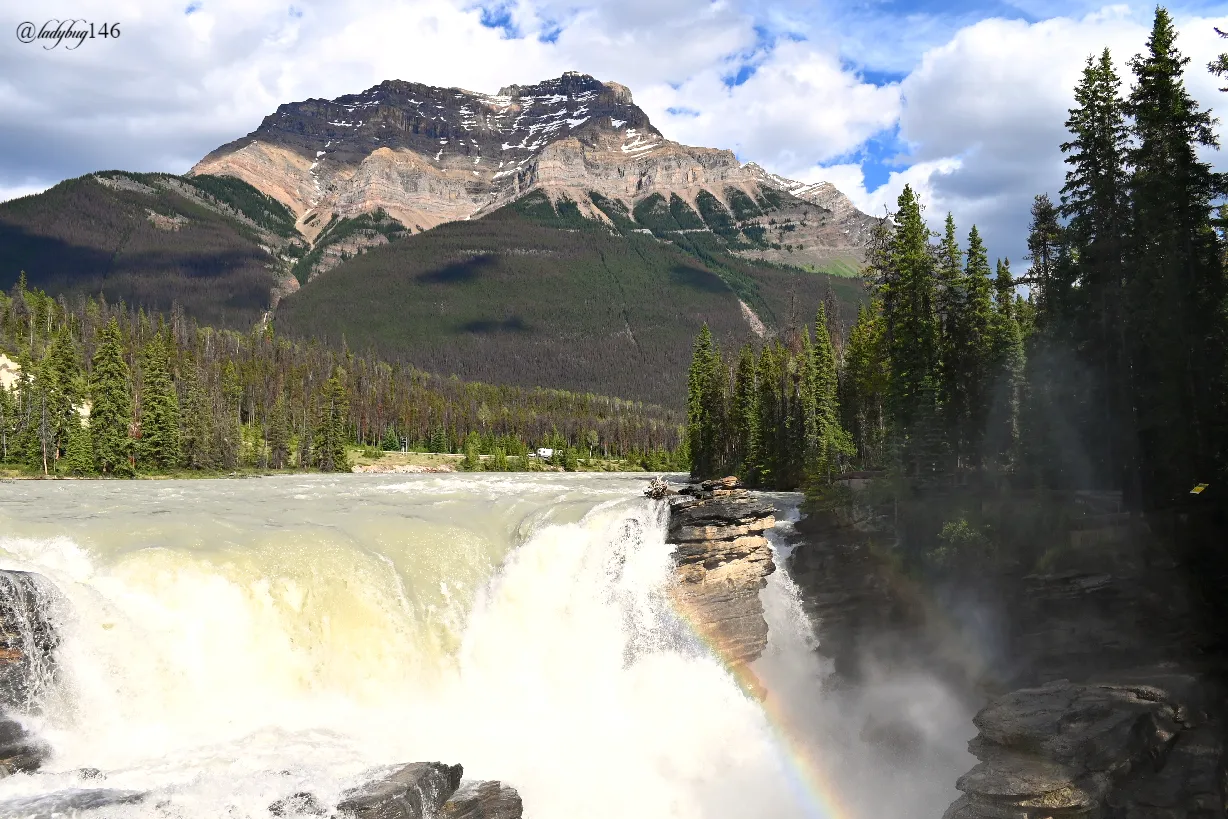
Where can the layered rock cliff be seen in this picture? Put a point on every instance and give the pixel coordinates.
(428, 155)
(722, 562)
(1084, 647)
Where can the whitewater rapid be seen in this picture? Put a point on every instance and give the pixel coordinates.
(229, 643)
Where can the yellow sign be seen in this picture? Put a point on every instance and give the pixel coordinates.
(1197, 490)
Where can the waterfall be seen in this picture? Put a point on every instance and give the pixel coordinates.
(228, 644)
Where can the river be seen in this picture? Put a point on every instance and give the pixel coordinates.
(227, 643)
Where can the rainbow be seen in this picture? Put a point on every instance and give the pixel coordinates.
(808, 777)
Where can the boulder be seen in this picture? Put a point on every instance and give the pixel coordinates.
(1142, 744)
(483, 800)
(28, 638)
(20, 751)
(414, 791)
(73, 802)
(298, 804)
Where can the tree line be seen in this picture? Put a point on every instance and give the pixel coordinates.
(111, 390)
(1111, 374)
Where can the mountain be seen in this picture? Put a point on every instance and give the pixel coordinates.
(213, 245)
(536, 293)
(426, 155)
(546, 235)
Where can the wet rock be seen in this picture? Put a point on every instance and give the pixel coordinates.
(411, 791)
(20, 751)
(1139, 745)
(658, 489)
(721, 562)
(90, 773)
(28, 638)
(298, 804)
(483, 800)
(73, 802)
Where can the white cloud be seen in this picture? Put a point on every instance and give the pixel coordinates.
(980, 111)
(8, 192)
(800, 107)
(983, 115)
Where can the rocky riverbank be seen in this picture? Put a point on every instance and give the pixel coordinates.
(1084, 652)
(722, 561)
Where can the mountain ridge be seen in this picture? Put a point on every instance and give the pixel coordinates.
(427, 155)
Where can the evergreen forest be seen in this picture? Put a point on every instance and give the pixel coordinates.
(114, 391)
(1103, 367)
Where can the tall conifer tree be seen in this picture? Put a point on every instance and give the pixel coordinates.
(111, 407)
(1175, 299)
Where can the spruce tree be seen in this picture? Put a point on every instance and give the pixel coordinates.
(160, 446)
(863, 382)
(831, 437)
(1175, 296)
(909, 304)
(111, 407)
(279, 434)
(976, 353)
(1094, 201)
(331, 435)
(744, 417)
(951, 305)
(706, 408)
(1005, 372)
(79, 449)
(770, 375)
(197, 440)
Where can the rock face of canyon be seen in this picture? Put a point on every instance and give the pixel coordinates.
(722, 561)
(1086, 652)
(427, 155)
(1140, 744)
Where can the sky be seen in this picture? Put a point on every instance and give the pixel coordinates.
(963, 99)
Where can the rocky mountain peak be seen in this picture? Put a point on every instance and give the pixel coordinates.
(426, 155)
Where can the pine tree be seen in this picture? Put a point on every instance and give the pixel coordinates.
(160, 447)
(909, 309)
(1094, 201)
(197, 439)
(706, 413)
(79, 449)
(279, 434)
(1005, 370)
(744, 417)
(111, 408)
(976, 353)
(1175, 294)
(863, 388)
(832, 440)
(331, 433)
(951, 315)
(472, 461)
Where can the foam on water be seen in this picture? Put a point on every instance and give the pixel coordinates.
(221, 652)
(227, 644)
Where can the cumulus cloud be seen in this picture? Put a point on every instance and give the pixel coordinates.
(982, 116)
(973, 107)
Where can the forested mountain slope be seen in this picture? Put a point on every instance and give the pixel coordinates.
(537, 294)
(214, 245)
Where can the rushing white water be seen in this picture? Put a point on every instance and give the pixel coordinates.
(228, 643)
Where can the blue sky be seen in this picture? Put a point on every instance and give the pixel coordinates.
(964, 100)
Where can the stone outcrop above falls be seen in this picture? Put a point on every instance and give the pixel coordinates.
(1145, 744)
(483, 800)
(722, 561)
